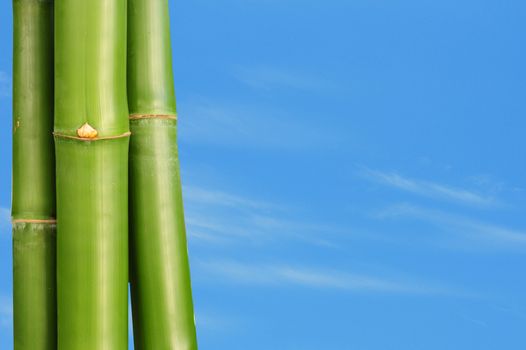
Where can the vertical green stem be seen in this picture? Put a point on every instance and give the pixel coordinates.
(33, 212)
(163, 315)
(91, 140)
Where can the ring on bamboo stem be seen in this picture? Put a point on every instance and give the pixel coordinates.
(153, 116)
(34, 221)
(99, 138)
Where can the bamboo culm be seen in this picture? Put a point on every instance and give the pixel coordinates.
(33, 206)
(162, 306)
(91, 140)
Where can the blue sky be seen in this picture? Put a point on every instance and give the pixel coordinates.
(352, 172)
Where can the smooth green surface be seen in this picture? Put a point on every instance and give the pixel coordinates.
(33, 154)
(92, 244)
(163, 316)
(150, 74)
(34, 287)
(34, 295)
(160, 280)
(92, 196)
(90, 64)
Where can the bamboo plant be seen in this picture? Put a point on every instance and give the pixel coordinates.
(91, 140)
(33, 207)
(162, 306)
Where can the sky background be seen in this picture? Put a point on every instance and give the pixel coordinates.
(353, 172)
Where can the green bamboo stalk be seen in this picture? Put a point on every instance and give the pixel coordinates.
(91, 140)
(33, 207)
(163, 316)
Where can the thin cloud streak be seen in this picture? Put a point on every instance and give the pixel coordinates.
(5, 84)
(497, 236)
(238, 228)
(265, 77)
(6, 312)
(219, 217)
(5, 216)
(280, 276)
(214, 197)
(254, 127)
(427, 188)
(217, 321)
(5, 222)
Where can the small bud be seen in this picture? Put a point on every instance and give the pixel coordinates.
(86, 131)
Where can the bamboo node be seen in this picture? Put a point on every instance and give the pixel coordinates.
(86, 131)
(90, 139)
(153, 116)
(35, 221)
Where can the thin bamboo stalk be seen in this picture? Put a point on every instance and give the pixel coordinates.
(162, 304)
(91, 140)
(33, 208)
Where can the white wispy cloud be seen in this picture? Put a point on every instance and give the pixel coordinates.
(511, 310)
(215, 197)
(6, 312)
(229, 124)
(274, 275)
(5, 84)
(489, 184)
(475, 230)
(476, 321)
(427, 188)
(5, 222)
(5, 216)
(215, 216)
(266, 77)
(217, 321)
